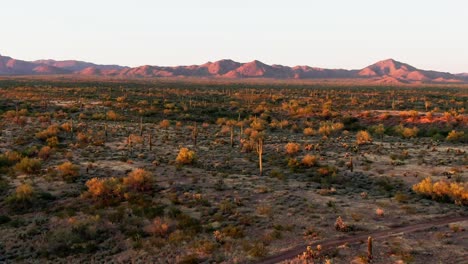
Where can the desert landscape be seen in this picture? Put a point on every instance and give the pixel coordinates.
(234, 132)
(101, 169)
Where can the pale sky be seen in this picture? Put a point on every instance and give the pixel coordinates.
(428, 34)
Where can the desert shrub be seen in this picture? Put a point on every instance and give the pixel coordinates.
(52, 142)
(105, 191)
(406, 132)
(311, 256)
(189, 259)
(82, 138)
(327, 170)
(165, 124)
(98, 116)
(21, 198)
(4, 185)
(351, 123)
(80, 237)
(401, 197)
(29, 166)
(258, 250)
(139, 180)
(206, 246)
(379, 212)
(308, 131)
(67, 126)
(29, 151)
(51, 131)
(247, 145)
(443, 190)
(258, 124)
(9, 158)
(292, 148)
(4, 219)
(188, 224)
(328, 128)
(456, 136)
(135, 139)
(111, 115)
(363, 137)
(378, 130)
(185, 156)
(309, 160)
(340, 225)
(45, 153)
(293, 164)
(158, 227)
(264, 210)
(275, 173)
(232, 232)
(24, 192)
(68, 171)
(387, 185)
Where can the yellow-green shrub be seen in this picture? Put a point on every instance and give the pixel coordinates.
(443, 190)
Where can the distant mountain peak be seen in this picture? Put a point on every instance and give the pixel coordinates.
(388, 71)
(388, 61)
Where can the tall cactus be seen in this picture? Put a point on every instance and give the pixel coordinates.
(150, 142)
(71, 128)
(369, 249)
(195, 134)
(141, 126)
(259, 140)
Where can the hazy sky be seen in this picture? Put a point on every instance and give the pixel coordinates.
(428, 34)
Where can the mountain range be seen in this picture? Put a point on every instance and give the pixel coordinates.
(386, 72)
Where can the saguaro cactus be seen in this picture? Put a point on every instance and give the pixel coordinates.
(259, 140)
(195, 134)
(231, 123)
(350, 164)
(141, 126)
(129, 144)
(369, 249)
(150, 142)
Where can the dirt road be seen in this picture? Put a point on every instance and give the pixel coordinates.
(376, 235)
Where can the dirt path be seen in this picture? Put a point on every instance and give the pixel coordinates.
(328, 244)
